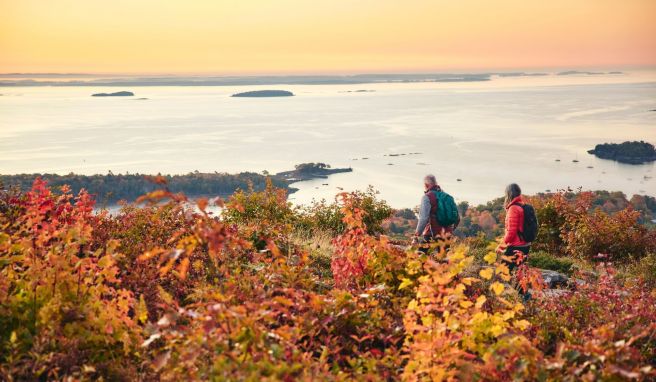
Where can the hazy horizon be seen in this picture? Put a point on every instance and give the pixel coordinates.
(294, 36)
(491, 70)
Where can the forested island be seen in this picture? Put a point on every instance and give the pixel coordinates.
(265, 93)
(111, 188)
(115, 94)
(633, 152)
(307, 171)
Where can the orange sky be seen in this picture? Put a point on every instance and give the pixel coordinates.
(317, 36)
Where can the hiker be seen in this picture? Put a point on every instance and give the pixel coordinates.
(521, 228)
(438, 213)
(515, 243)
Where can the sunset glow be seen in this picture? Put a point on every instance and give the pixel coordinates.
(339, 36)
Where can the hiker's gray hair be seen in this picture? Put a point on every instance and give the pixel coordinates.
(430, 179)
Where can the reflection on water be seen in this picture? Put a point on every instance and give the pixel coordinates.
(487, 133)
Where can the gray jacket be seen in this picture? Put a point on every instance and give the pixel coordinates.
(424, 214)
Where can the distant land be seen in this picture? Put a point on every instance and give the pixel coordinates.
(573, 72)
(87, 79)
(265, 93)
(115, 94)
(111, 188)
(627, 152)
(19, 79)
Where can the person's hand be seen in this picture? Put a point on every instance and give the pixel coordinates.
(501, 249)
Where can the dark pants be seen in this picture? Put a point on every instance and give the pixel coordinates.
(510, 252)
(429, 242)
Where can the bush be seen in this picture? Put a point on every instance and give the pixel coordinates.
(604, 330)
(545, 260)
(644, 270)
(568, 226)
(322, 216)
(170, 292)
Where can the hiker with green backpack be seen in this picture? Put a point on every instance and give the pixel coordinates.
(438, 213)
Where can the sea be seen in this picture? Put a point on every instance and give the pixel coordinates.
(474, 136)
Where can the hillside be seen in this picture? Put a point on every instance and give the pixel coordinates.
(268, 291)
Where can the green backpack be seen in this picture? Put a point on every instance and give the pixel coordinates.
(447, 210)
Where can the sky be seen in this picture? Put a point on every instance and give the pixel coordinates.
(232, 37)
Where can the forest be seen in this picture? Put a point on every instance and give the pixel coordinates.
(110, 188)
(266, 291)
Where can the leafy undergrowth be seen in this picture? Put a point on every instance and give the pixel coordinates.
(168, 292)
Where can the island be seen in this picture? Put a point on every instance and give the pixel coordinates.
(115, 94)
(265, 93)
(630, 152)
(307, 171)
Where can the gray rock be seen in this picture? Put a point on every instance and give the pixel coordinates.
(554, 293)
(554, 279)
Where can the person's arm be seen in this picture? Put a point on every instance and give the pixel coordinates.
(424, 215)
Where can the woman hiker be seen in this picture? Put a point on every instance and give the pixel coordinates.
(514, 244)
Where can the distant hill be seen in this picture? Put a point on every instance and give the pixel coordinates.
(265, 93)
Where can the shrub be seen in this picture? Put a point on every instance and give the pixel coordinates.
(322, 216)
(602, 331)
(168, 291)
(63, 311)
(586, 234)
(545, 260)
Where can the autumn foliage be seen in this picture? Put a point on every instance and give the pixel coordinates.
(168, 291)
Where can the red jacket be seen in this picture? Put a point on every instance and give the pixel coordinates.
(514, 222)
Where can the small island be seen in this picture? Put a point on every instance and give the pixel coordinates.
(265, 93)
(633, 152)
(115, 94)
(308, 171)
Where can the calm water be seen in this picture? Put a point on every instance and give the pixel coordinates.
(486, 133)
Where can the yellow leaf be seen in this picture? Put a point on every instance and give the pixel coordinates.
(466, 304)
(486, 273)
(405, 282)
(522, 324)
(427, 320)
(412, 305)
(491, 257)
(469, 280)
(480, 301)
(502, 269)
(497, 287)
(142, 311)
(497, 330)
